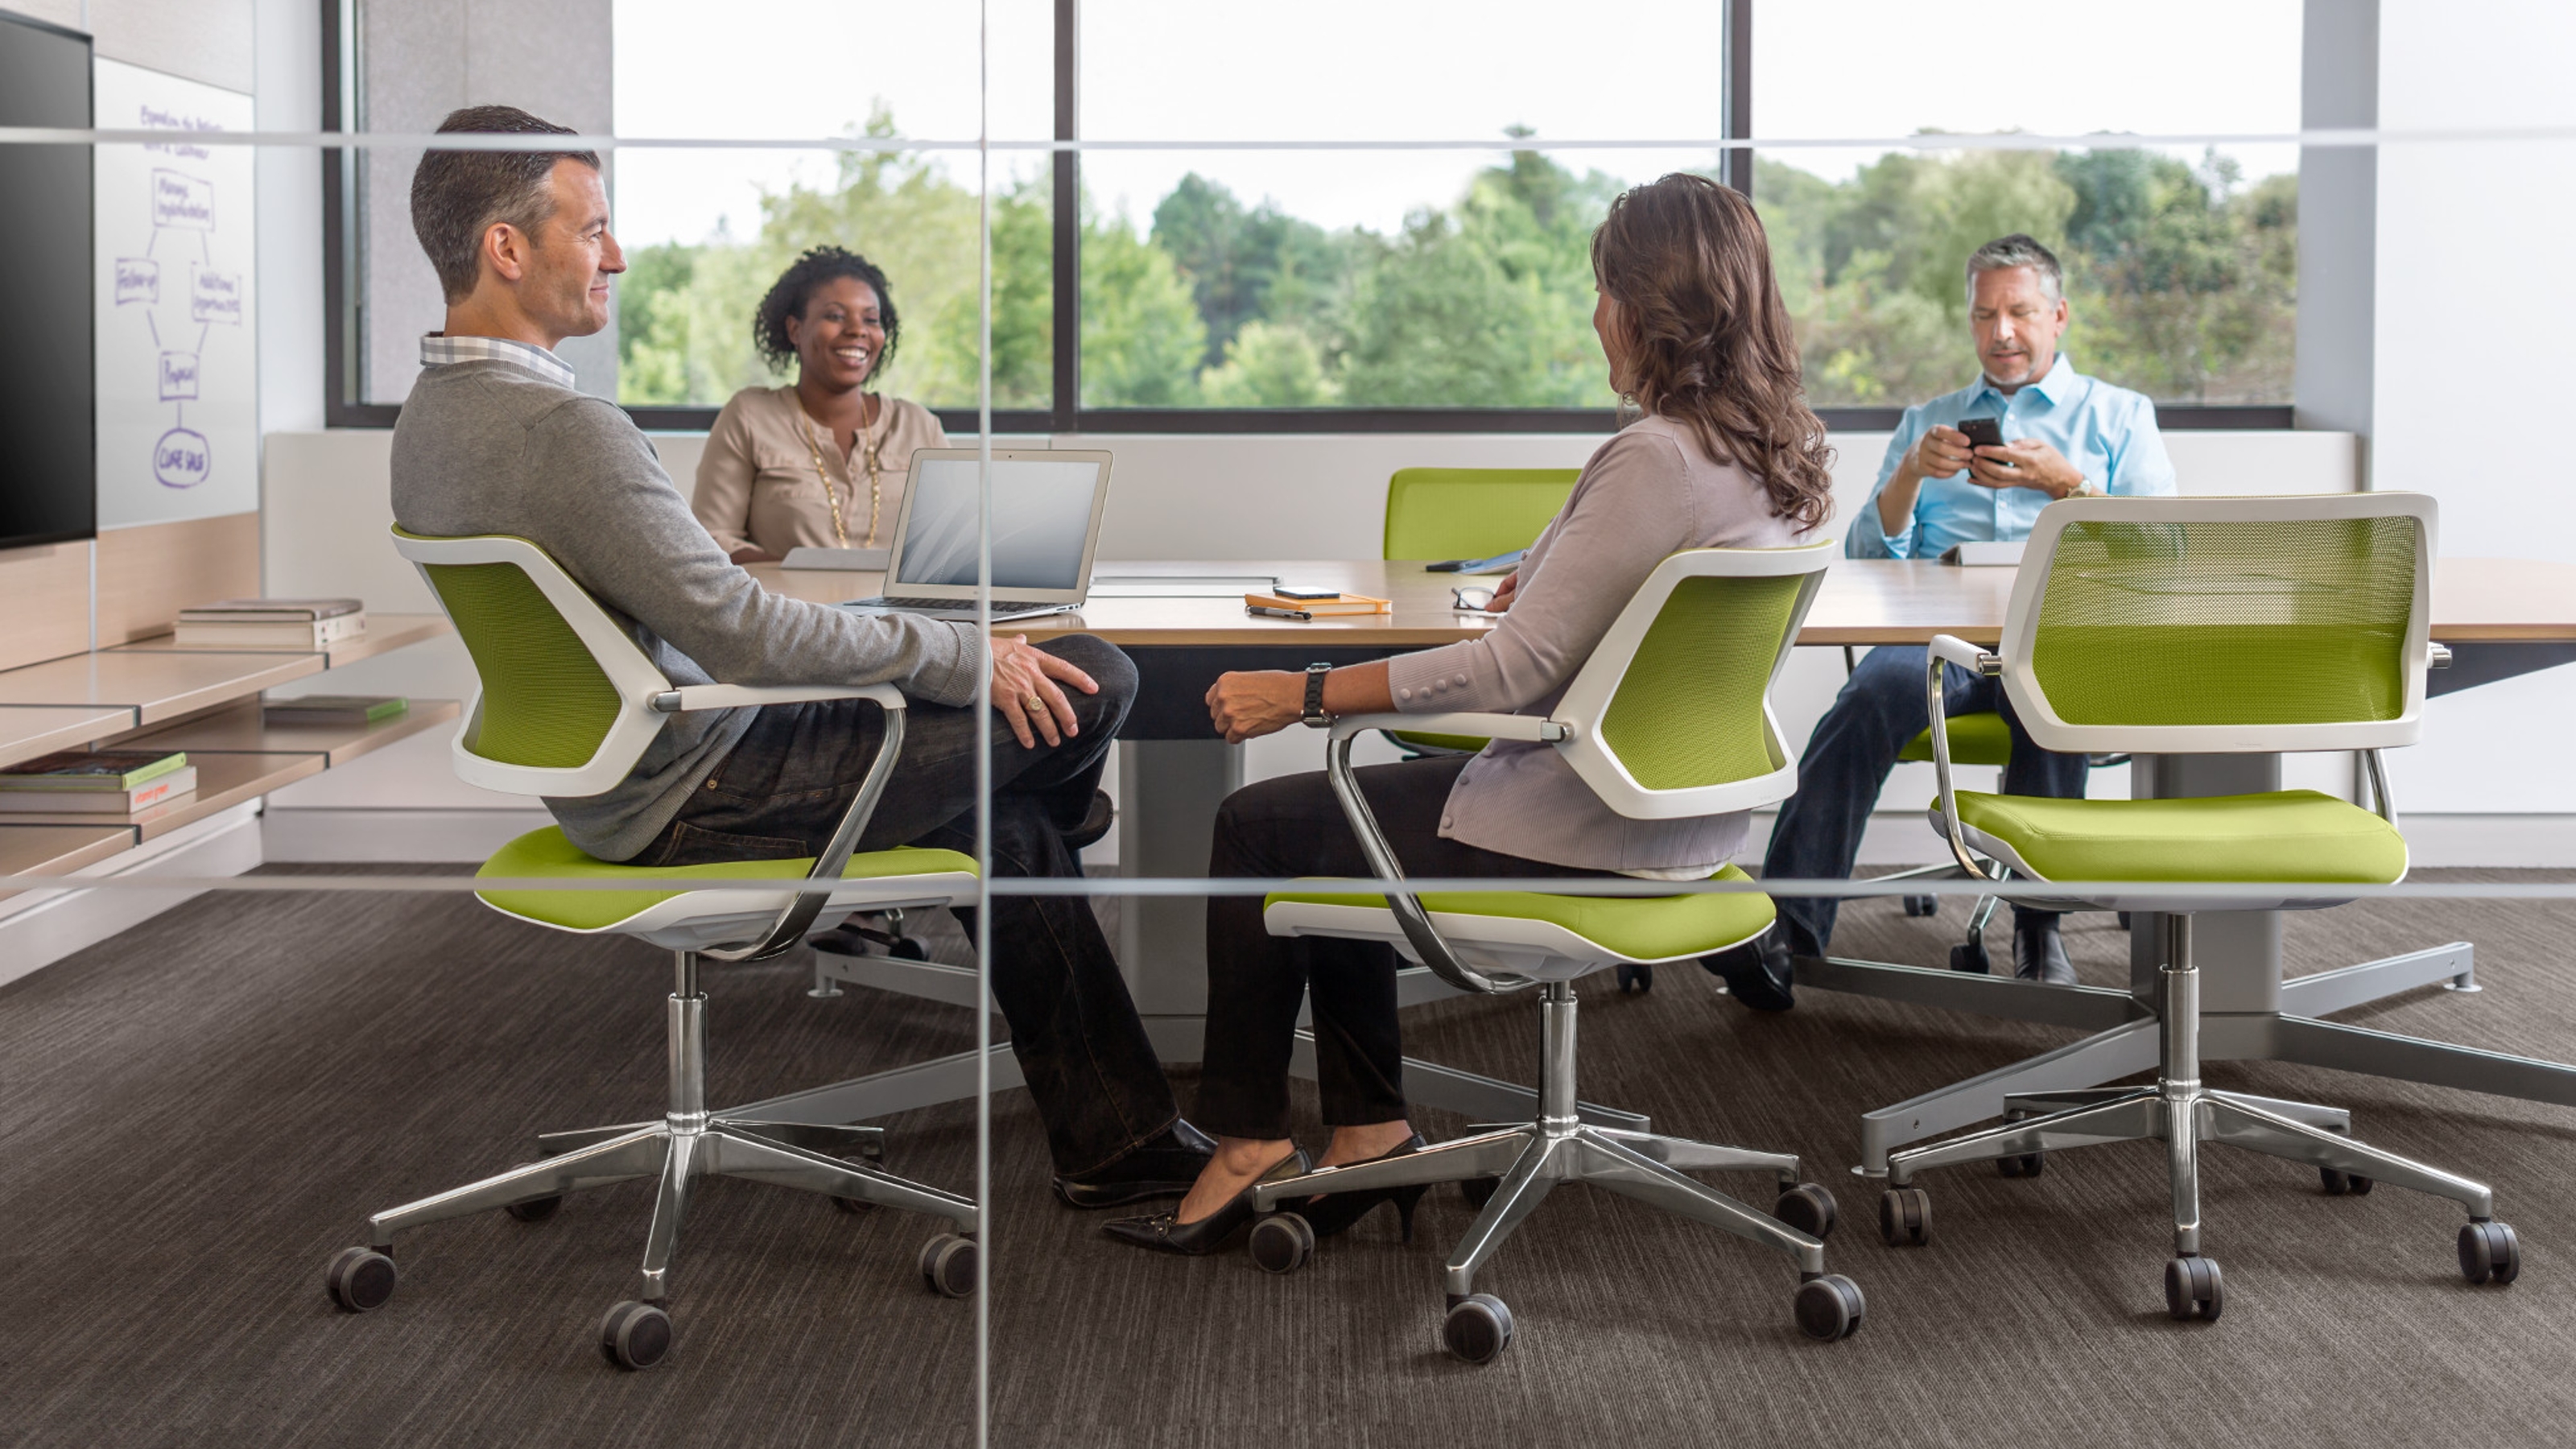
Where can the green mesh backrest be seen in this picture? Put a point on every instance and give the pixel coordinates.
(1688, 712)
(546, 702)
(2298, 621)
(1438, 513)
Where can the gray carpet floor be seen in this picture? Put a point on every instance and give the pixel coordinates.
(196, 1114)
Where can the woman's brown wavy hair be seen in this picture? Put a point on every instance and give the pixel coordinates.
(1709, 344)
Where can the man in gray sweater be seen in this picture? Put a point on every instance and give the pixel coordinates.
(494, 439)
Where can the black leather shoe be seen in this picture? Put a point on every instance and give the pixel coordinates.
(1164, 1166)
(1757, 973)
(2039, 953)
(1095, 823)
(1166, 1233)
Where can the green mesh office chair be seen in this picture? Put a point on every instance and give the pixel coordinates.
(1466, 513)
(2202, 626)
(566, 705)
(1669, 718)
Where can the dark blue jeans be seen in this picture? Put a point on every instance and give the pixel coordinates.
(1881, 709)
(1098, 1084)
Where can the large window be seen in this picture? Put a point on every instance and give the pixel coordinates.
(1248, 283)
(2182, 265)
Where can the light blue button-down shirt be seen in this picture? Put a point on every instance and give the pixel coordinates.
(2108, 433)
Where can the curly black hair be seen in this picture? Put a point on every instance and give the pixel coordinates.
(796, 287)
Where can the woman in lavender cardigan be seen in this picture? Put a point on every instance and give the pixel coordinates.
(1727, 455)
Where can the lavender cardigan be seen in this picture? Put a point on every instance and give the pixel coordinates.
(1647, 494)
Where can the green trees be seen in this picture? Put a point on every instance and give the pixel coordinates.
(2183, 282)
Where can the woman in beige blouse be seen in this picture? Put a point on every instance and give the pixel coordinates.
(820, 463)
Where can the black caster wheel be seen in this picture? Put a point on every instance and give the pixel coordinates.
(1922, 905)
(1479, 1191)
(1478, 1328)
(1905, 1217)
(1636, 976)
(1829, 1307)
(2022, 1164)
(362, 1279)
(2490, 1253)
(535, 1209)
(907, 949)
(948, 1265)
(1282, 1243)
(1808, 1208)
(2337, 1183)
(1971, 956)
(2193, 1289)
(635, 1335)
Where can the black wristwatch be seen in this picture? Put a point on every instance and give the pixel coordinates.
(1315, 716)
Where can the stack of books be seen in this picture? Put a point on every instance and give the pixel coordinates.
(299, 625)
(333, 709)
(103, 782)
(1316, 603)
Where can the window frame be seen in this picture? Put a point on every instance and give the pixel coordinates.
(344, 333)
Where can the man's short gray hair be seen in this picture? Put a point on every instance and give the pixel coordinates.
(457, 195)
(2017, 250)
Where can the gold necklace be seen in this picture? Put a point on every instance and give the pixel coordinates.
(832, 495)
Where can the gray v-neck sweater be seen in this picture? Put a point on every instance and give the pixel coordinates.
(492, 447)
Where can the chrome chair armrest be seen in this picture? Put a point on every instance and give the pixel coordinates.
(1535, 729)
(798, 915)
(1948, 650)
(1410, 917)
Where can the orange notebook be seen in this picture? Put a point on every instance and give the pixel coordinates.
(1339, 604)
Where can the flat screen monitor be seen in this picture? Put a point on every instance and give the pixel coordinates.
(48, 364)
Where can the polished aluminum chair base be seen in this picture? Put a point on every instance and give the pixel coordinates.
(2183, 1113)
(1532, 1159)
(688, 1143)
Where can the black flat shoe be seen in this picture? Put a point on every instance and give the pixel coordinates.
(1165, 1166)
(1335, 1212)
(1758, 973)
(1166, 1233)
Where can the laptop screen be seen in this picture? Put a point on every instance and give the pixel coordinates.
(1041, 520)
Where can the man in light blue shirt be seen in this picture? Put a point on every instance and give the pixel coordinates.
(2065, 435)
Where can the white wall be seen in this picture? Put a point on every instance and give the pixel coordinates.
(2471, 375)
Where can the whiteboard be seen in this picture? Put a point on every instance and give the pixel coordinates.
(178, 345)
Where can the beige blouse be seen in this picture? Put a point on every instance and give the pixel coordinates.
(757, 483)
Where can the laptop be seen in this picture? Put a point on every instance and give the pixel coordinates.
(1047, 507)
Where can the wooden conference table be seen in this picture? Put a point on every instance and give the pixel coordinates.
(1184, 624)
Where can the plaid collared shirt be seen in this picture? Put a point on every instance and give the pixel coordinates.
(437, 349)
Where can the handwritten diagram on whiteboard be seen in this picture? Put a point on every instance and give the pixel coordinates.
(178, 351)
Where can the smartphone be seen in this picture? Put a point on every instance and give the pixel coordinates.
(1982, 432)
(1306, 593)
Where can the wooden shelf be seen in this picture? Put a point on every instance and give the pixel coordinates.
(29, 731)
(243, 730)
(384, 632)
(59, 849)
(223, 780)
(156, 686)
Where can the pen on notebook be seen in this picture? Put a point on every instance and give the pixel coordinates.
(1270, 613)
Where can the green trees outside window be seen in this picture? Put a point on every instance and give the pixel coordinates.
(2183, 279)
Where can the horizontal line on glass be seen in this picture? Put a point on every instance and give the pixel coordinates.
(2171, 417)
(1934, 141)
(1615, 886)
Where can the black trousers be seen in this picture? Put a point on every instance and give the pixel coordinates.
(1098, 1084)
(1293, 826)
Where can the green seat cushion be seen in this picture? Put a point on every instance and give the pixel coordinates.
(546, 853)
(1641, 928)
(1975, 739)
(2287, 835)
